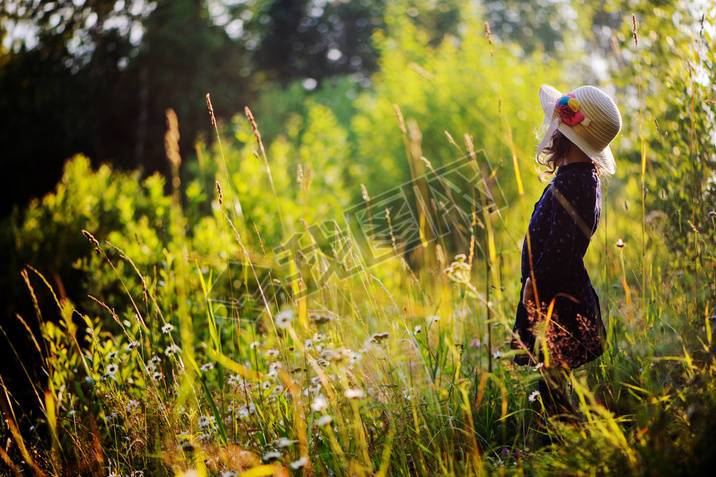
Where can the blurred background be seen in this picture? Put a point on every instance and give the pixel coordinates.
(95, 77)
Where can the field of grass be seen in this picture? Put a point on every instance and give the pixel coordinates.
(334, 348)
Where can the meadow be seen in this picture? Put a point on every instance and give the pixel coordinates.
(334, 294)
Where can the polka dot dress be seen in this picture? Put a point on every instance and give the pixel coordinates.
(561, 227)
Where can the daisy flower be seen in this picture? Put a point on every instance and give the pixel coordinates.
(283, 442)
(354, 393)
(284, 318)
(533, 396)
(172, 350)
(324, 420)
(299, 463)
(319, 403)
(168, 328)
(131, 346)
(269, 456)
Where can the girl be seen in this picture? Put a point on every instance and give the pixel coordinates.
(558, 320)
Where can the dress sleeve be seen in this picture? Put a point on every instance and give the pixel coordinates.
(558, 251)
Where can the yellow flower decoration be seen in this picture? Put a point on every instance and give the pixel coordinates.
(574, 104)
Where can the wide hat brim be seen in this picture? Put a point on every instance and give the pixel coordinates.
(602, 156)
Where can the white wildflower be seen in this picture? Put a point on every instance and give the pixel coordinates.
(112, 369)
(272, 353)
(284, 318)
(206, 421)
(434, 319)
(283, 442)
(324, 420)
(533, 396)
(112, 355)
(269, 456)
(172, 350)
(354, 393)
(168, 328)
(319, 403)
(299, 463)
(131, 346)
(417, 329)
(207, 366)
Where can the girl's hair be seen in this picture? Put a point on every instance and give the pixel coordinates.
(554, 152)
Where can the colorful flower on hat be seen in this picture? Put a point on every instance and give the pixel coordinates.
(568, 108)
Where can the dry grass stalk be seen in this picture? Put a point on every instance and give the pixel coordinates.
(219, 192)
(171, 138)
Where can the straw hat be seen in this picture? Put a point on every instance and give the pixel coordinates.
(587, 117)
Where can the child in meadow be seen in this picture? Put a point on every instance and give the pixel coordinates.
(558, 321)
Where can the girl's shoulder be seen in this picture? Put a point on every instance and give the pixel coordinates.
(577, 174)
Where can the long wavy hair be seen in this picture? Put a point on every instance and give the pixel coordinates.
(553, 154)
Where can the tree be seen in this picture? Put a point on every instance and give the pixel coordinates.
(99, 80)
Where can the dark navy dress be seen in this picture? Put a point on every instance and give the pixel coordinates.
(561, 227)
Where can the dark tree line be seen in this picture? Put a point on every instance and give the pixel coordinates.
(90, 86)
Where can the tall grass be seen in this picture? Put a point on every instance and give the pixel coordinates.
(389, 374)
